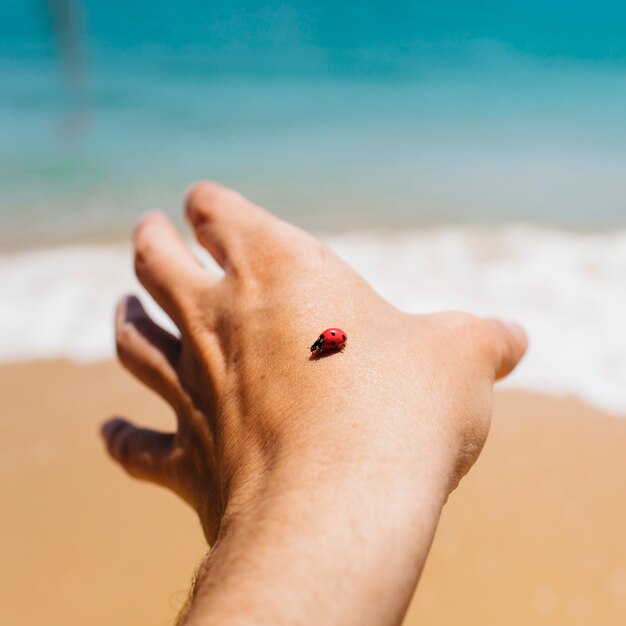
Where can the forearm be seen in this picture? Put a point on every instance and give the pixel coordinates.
(307, 550)
(319, 478)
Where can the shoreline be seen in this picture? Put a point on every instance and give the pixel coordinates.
(120, 235)
(534, 534)
(59, 303)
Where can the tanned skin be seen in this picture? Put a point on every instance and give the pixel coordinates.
(318, 481)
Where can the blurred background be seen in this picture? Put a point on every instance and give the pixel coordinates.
(335, 115)
(479, 146)
(459, 154)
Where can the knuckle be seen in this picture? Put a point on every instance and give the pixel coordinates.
(473, 330)
(269, 264)
(478, 330)
(462, 322)
(481, 337)
(289, 245)
(485, 344)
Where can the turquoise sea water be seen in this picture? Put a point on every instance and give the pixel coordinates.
(339, 116)
(459, 155)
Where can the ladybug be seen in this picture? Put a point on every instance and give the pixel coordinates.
(330, 339)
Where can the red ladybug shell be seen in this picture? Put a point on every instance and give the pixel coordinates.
(333, 338)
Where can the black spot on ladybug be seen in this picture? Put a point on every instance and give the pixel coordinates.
(322, 336)
(343, 337)
(332, 332)
(332, 343)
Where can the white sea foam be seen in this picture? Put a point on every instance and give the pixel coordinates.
(568, 290)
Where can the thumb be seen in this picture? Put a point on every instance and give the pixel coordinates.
(143, 453)
(511, 343)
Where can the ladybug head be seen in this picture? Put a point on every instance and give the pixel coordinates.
(318, 343)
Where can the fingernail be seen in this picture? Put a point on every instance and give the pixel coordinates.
(132, 308)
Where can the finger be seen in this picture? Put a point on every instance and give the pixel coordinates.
(166, 267)
(143, 453)
(510, 343)
(147, 350)
(224, 222)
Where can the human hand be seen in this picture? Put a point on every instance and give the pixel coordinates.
(248, 396)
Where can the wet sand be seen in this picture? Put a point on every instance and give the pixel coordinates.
(536, 534)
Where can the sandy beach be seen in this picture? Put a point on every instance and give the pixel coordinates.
(535, 534)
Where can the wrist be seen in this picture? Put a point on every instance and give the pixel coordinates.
(383, 482)
(359, 530)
